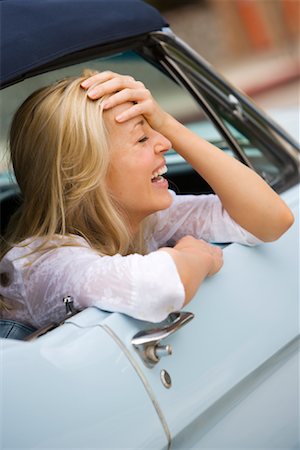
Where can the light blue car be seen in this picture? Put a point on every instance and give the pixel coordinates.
(225, 373)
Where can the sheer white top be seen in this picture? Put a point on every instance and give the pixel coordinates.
(145, 287)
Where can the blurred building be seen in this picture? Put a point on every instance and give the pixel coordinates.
(226, 30)
(252, 42)
(259, 26)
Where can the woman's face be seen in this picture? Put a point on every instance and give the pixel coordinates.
(137, 156)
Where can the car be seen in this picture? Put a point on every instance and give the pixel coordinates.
(223, 372)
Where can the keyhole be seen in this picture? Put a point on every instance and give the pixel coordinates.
(166, 379)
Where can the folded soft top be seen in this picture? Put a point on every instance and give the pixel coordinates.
(36, 32)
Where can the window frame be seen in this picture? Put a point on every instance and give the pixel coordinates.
(284, 148)
(155, 48)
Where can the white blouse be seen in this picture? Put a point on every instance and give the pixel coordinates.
(145, 287)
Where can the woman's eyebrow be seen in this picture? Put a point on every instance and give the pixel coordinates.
(140, 122)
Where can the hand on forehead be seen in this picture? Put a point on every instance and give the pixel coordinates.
(107, 83)
(113, 115)
(124, 89)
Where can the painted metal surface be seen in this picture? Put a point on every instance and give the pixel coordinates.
(74, 388)
(233, 374)
(84, 381)
(260, 412)
(243, 317)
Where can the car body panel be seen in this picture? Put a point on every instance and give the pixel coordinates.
(63, 395)
(235, 366)
(243, 317)
(261, 412)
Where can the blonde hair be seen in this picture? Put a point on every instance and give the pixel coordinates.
(60, 155)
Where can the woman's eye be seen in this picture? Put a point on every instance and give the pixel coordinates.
(143, 139)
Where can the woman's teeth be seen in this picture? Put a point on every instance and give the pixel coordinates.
(159, 172)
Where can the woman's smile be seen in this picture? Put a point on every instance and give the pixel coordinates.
(157, 174)
(135, 176)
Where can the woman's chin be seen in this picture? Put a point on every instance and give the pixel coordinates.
(165, 200)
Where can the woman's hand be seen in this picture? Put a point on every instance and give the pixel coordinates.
(198, 247)
(195, 260)
(122, 89)
(244, 194)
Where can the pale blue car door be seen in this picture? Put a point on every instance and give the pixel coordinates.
(234, 367)
(75, 388)
(231, 380)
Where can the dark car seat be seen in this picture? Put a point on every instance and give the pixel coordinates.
(10, 200)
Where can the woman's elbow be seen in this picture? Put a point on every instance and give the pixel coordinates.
(280, 225)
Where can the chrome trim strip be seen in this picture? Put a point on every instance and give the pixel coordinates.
(171, 65)
(143, 380)
(136, 367)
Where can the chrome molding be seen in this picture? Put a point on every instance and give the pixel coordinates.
(143, 380)
(139, 372)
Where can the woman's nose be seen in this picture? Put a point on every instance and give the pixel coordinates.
(162, 144)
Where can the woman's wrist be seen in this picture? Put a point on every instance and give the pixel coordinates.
(192, 268)
(167, 125)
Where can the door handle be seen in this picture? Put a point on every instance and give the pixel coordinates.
(147, 342)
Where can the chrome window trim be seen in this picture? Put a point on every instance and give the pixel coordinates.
(166, 36)
(278, 146)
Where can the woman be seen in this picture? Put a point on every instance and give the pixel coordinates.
(88, 154)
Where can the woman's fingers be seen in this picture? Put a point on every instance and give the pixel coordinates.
(99, 77)
(124, 88)
(127, 95)
(135, 110)
(110, 86)
(217, 255)
(190, 244)
(106, 83)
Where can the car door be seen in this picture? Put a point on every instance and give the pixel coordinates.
(72, 388)
(232, 378)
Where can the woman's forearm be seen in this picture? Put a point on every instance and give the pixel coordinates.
(195, 259)
(191, 270)
(244, 194)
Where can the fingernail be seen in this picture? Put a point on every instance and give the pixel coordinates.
(106, 105)
(84, 84)
(92, 94)
(119, 118)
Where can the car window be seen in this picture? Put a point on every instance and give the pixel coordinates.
(168, 93)
(263, 148)
(172, 97)
(259, 143)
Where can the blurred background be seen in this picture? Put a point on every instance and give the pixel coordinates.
(254, 43)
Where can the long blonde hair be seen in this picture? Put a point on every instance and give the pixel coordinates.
(60, 155)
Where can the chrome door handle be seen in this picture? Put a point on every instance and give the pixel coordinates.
(147, 342)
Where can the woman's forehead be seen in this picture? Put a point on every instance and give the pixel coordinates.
(112, 113)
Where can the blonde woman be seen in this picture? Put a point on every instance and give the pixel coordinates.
(88, 155)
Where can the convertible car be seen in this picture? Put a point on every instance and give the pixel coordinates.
(225, 372)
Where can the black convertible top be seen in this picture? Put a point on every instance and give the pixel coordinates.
(36, 32)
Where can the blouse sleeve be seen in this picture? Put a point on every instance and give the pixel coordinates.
(144, 287)
(201, 216)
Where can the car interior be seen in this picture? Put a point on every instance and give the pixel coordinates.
(181, 176)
